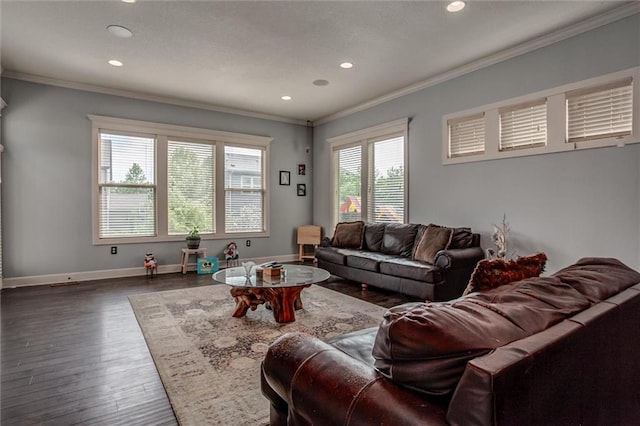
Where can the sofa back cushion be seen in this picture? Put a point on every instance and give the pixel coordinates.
(425, 346)
(462, 238)
(430, 242)
(598, 278)
(373, 234)
(348, 235)
(399, 238)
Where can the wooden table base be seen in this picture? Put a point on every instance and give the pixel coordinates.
(284, 301)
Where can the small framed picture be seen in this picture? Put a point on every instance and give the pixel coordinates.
(302, 189)
(285, 177)
(302, 169)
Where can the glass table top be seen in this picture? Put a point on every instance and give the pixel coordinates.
(291, 276)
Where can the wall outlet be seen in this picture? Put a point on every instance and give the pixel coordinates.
(248, 243)
(114, 250)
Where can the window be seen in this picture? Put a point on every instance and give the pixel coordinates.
(594, 113)
(466, 136)
(523, 126)
(244, 205)
(127, 185)
(604, 111)
(369, 174)
(190, 182)
(154, 182)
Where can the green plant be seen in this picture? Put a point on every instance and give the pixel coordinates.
(194, 234)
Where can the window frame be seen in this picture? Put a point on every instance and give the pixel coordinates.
(364, 138)
(163, 133)
(557, 115)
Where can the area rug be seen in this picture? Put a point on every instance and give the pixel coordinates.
(209, 361)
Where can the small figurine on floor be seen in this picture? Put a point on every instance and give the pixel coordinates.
(231, 254)
(150, 264)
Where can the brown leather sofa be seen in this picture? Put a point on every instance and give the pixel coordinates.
(558, 350)
(383, 255)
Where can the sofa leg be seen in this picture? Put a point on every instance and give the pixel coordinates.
(365, 286)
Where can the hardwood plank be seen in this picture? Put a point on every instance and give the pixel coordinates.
(76, 355)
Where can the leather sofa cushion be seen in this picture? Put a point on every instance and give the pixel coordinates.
(373, 233)
(357, 344)
(367, 260)
(462, 238)
(598, 278)
(411, 269)
(334, 254)
(398, 239)
(426, 346)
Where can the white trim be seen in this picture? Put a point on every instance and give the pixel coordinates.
(380, 130)
(556, 121)
(147, 97)
(528, 46)
(76, 277)
(124, 124)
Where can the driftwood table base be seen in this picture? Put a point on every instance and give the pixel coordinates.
(284, 301)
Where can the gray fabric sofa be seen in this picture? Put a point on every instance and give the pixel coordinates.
(383, 256)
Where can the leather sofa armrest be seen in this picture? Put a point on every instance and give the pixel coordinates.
(324, 386)
(459, 258)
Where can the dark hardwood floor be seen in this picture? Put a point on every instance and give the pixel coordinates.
(74, 354)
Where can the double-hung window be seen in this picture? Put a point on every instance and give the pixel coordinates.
(155, 182)
(369, 174)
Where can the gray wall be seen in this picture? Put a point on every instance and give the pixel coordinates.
(46, 188)
(568, 205)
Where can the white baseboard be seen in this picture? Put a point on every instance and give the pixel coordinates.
(74, 277)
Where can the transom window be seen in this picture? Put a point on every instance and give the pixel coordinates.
(599, 112)
(155, 182)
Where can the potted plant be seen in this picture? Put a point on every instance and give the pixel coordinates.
(193, 238)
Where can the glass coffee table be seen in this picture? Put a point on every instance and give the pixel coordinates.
(282, 295)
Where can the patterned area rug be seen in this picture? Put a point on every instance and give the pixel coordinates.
(209, 361)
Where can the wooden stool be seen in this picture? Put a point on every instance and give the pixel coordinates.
(186, 252)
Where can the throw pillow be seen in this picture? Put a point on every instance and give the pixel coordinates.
(492, 273)
(348, 235)
(462, 238)
(434, 239)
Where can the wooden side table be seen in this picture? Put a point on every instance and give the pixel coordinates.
(186, 252)
(308, 235)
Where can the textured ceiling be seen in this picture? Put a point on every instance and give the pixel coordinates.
(245, 55)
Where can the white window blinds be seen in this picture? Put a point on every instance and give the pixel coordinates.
(386, 179)
(190, 187)
(348, 183)
(523, 126)
(244, 189)
(127, 187)
(466, 136)
(600, 112)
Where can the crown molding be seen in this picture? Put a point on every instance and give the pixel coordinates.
(588, 24)
(146, 97)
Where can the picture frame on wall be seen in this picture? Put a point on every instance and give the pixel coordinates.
(302, 169)
(302, 190)
(285, 177)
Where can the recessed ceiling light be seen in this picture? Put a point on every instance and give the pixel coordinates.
(286, 98)
(115, 63)
(119, 31)
(456, 6)
(320, 82)
(128, 1)
(346, 65)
